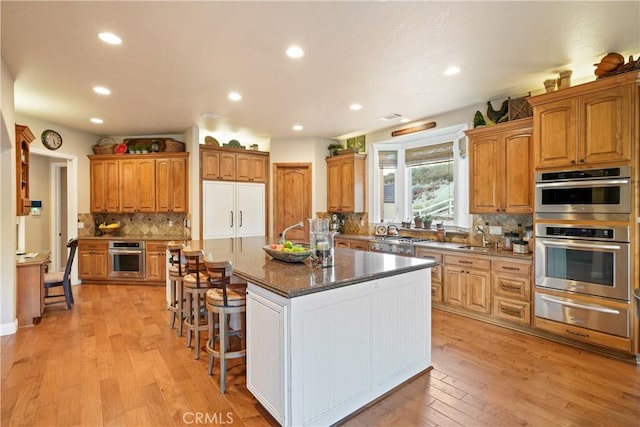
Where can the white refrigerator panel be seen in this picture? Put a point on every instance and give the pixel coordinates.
(250, 204)
(218, 209)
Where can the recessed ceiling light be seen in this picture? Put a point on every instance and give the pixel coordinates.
(97, 120)
(355, 107)
(391, 116)
(404, 120)
(295, 52)
(451, 71)
(297, 127)
(110, 38)
(209, 115)
(235, 96)
(102, 90)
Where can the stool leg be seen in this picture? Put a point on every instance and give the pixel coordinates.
(180, 292)
(243, 333)
(173, 284)
(211, 342)
(188, 317)
(223, 351)
(196, 325)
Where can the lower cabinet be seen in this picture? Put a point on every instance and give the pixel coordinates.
(155, 260)
(361, 245)
(436, 272)
(30, 289)
(93, 257)
(468, 283)
(511, 288)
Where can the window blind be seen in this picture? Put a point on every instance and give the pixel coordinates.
(429, 154)
(388, 159)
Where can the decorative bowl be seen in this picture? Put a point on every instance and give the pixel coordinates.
(287, 256)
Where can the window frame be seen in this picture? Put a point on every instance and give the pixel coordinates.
(403, 191)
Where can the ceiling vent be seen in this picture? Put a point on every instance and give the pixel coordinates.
(391, 116)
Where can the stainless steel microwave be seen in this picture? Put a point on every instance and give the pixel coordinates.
(603, 194)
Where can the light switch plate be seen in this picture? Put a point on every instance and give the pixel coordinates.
(495, 229)
(80, 224)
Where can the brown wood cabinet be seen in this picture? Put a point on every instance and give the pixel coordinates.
(500, 168)
(512, 290)
(155, 261)
(436, 272)
(30, 288)
(137, 187)
(227, 164)
(139, 183)
(93, 259)
(468, 283)
(171, 185)
(23, 139)
(586, 124)
(341, 242)
(346, 183)
(104, 185)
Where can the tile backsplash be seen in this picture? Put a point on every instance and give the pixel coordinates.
(139, 224)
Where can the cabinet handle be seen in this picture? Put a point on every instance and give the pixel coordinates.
(240, 219)
(577, 334)
(465, 262)
(510, 288)
(581, 160)
(511, 311)
(231, 212)
(511, 268)
(573, 162)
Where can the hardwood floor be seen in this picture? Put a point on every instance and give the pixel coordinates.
(113, 360)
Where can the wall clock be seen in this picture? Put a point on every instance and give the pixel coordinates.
(51, 139)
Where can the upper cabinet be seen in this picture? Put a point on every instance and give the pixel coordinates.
(228, 164)
(346, 183)
(23, 139)
(139, 183)
(500, 168)
(587, 124)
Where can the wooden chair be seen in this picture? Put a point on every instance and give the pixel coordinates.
(195, 285)
(61, 278)
(224, 299)
(177, 271)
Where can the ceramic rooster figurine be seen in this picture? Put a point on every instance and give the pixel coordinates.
(498, 116)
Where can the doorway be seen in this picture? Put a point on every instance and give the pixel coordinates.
(292, 199)
(59, 215)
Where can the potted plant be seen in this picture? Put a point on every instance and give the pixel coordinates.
(426, 221)
(334, 148)
(418, 221)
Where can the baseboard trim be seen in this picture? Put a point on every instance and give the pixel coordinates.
(9, 328)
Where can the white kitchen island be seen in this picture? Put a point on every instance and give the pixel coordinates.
(324, 342)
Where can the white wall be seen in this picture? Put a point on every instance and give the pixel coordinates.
(38, 236)
(8, 318)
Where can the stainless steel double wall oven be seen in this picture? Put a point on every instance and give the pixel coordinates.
(587, 251)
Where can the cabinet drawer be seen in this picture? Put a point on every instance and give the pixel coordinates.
(585, 335)
(436, 292)
(156, 246)
(512, 286)
(425, 253)
(467, 262)
(92, 245)
(512, 267)
(508, 309)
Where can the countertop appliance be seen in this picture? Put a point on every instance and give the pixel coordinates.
(127, 259)
(601, 194)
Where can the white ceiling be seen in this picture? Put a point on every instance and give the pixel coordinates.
(179, 59)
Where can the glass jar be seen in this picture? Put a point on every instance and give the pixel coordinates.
(509, 237)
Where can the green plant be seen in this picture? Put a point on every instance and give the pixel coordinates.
(334, 148)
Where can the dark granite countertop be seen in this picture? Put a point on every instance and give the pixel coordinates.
(252, 263)
(134, 237)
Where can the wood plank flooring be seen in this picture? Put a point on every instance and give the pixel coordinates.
(113, 361)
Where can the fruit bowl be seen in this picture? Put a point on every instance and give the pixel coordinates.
(287, 256)
(109, 230)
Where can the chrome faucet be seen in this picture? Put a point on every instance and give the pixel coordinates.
(480, 230)
(284, 232)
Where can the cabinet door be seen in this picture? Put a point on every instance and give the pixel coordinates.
(454, 286)
(478, 291)
(250, 209)
(137, 185)
(209, 164)
(555, 134)
(517, 191)
(218, 205)
(171, 186)
(347, 183)
(259, 168)
(333, 187)
(243, 167)
(155, 266)
(486, 175)
(93, 265)
(605, 125)
(227, 166)
(104, 180)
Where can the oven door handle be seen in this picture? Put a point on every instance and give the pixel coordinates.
(124, 252)
(581, 245)
(585, 307)
(590, 183)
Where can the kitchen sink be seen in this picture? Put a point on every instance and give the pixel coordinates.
(474, 248)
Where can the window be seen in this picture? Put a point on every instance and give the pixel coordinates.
(422, 175)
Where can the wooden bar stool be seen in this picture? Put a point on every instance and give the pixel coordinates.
(223, 299)
(177, 271)
(195, 285)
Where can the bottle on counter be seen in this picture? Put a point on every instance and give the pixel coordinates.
(441, 233)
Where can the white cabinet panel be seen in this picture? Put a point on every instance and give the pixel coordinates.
(231, 209)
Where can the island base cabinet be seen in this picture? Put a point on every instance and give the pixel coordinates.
(317, 358)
